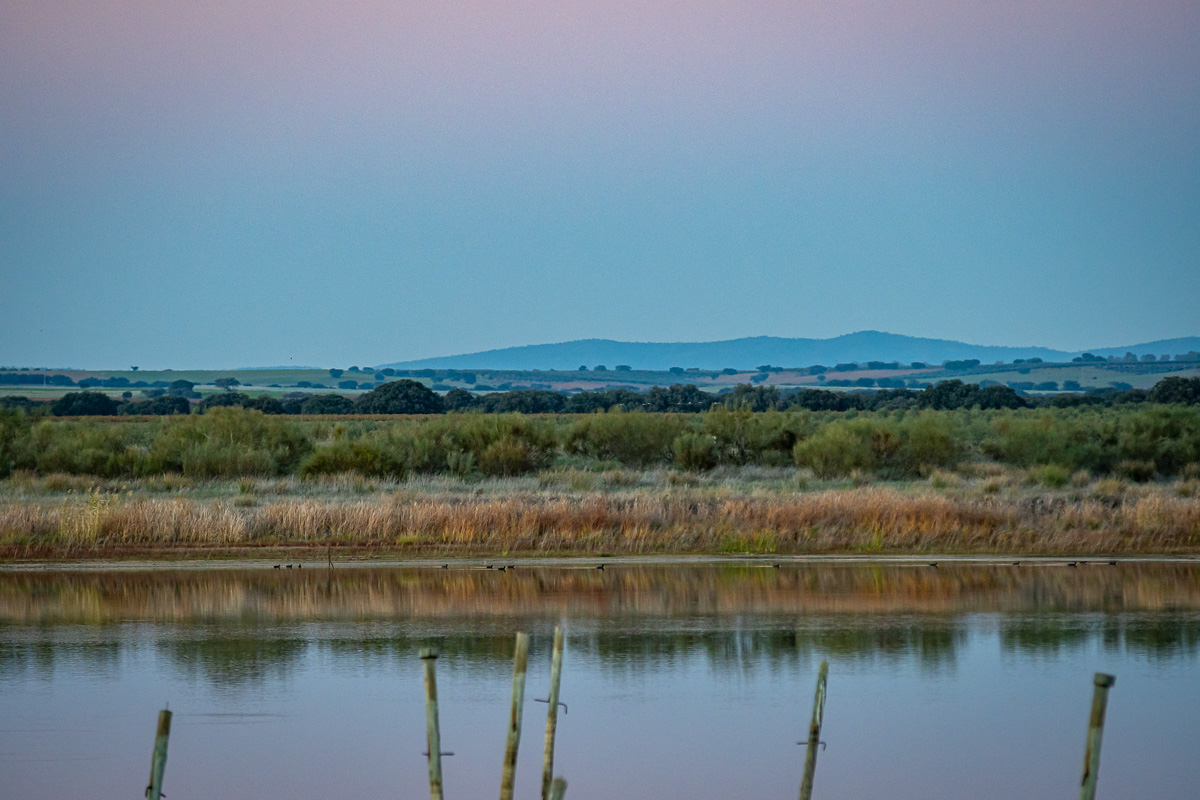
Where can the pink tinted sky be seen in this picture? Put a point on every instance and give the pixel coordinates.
(779, 153)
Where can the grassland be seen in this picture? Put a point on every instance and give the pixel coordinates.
(569, 511)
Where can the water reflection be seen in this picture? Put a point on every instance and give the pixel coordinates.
(245, 627)
(358, 593)
(682, 681)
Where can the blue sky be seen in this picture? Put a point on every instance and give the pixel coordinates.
(217, 184)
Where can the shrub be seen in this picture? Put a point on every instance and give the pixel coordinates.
(81, 448)
(223, 400)
(1052, 476)
(507, 456)
(634, 438)
(837, 449)
(1136, 471)
(228, 442)
(695, 452)
(362, 457)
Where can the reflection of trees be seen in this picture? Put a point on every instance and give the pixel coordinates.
(234, 662)
(43, 656)
(1157, 636)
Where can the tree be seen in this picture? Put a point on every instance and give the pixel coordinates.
(583, 368)
(676, 370)
(679, 397)
(998, 397)
(600, 368)
(1176, 390)
(459, 400)
(227, 383)
(162, 406)
(267, 405)
(624, 368)
(181, 388)
(327, 404)
(84, 404)
(948, 395)
(347, 384)
(335, 373)
(523, 401)
(400, 397)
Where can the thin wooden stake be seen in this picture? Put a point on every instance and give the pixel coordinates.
(814, 733)
(558, 788)
(433, 733)
(1091, 756)
(520, 660)
(158, 763)
(552, 714)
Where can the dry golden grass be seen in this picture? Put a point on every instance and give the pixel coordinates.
(683, 519)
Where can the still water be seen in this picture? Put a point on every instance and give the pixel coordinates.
(681, 681)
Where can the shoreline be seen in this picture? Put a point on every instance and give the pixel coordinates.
(591, 562)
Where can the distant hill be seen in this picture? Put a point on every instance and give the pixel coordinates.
(758, 350)
(1161, 347)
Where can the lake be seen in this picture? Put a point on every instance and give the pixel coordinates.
(681, 679)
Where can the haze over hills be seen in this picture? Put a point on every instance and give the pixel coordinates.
(751, 352)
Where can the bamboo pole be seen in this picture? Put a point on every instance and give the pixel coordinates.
(520, 661)
(552, 713)
(814, 733)
(433, 733)
(158, 762)
(1091, 756)
(558, 788)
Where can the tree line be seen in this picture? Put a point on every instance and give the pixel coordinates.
(406, 396)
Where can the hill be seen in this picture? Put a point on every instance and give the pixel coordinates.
(751, 352)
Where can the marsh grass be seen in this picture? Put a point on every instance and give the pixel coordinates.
(664, 512)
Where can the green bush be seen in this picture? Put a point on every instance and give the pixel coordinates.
(634, 438)
(1052, 476)
(695, 452)
(228, 442)
(83, 448)
(837, 449)
(362, 457)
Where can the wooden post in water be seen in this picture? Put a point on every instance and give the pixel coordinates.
(552, 714)
(433, 733)
(814, 734)
(520, 660)
(558, 788)
(158, 763)
(1091, 756)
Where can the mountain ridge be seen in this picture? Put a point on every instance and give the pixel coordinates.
(750, 352)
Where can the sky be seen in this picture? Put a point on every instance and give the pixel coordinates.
(222, 183)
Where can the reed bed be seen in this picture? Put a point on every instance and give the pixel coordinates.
(698, 519)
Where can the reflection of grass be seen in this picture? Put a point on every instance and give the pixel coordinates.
(752, 510)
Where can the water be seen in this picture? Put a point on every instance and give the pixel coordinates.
(696, 681)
